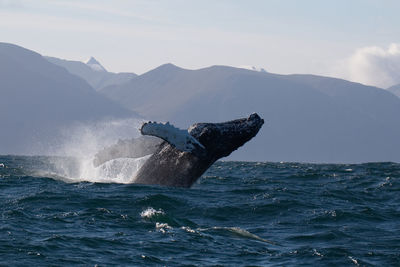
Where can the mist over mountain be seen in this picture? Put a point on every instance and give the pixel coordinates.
(308, 118)
(395, 89)
(93, 72)
(37, 97)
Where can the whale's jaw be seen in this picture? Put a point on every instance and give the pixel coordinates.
(170, 166)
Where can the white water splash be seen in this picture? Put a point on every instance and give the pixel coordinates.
(122, 170)
(163, 227)
(354, 260)
(151, 212)
(188, 229)
(81, 142)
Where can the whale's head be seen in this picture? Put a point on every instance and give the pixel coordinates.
(221, 139)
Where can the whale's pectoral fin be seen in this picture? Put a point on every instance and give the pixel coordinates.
(129, 148)
(176, 137)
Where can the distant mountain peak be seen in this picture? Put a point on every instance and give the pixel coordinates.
(169, 66)
(92, 61)
(95, 65)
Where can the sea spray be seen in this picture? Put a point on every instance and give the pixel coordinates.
(85, 140)
(79, 144)
(121, 170)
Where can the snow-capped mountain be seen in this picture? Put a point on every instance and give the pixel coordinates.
(93, 72)
(95, 65)
(259, 69)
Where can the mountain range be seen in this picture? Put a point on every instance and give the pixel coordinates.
(308, 118)
(37, 97)
(92, 72)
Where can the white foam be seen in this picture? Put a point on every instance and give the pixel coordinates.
(317, 253)
(354, 260)
(188, 229)
(150, 212)
(163, 227)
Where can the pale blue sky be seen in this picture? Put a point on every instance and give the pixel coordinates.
(303, 36)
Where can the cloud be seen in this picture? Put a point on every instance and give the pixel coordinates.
(375, 66)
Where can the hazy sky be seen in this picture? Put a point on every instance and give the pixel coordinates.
(354, 39)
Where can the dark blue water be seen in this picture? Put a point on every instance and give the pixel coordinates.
(238, 214)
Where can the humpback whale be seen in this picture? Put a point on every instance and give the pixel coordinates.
(185, 155)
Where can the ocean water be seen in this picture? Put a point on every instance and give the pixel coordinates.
(237, 214)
